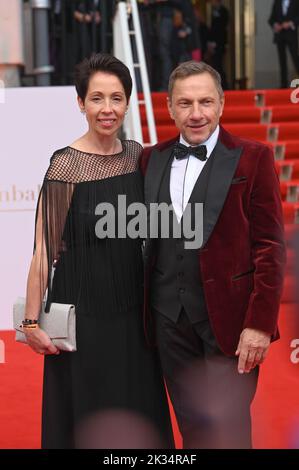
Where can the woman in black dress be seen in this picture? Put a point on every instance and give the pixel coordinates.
(110, 392)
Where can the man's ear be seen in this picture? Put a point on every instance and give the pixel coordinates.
(222, 102)
(170, 110)
(80, 103)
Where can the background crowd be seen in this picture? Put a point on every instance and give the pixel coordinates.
(173, 31)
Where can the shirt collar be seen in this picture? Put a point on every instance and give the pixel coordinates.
(210, 143)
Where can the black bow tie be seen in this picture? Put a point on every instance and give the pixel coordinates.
(181, 152)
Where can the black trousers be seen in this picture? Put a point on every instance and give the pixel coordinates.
(211, 399)
(282, 46)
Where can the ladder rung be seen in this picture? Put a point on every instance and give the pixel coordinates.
(137, 65)
(141, 101)
(132, 33)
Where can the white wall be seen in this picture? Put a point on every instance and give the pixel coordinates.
(33, 123)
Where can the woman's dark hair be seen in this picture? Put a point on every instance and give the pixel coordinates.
(101, 63)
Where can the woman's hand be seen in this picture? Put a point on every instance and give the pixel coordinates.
(39, 341)
(97, 17)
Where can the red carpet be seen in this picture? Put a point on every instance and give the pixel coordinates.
(275, 411)
(20, 395)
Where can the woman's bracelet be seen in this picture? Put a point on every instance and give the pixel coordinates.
(28, 322)
(30, 327)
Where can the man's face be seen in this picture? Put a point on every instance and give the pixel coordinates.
(196, 107)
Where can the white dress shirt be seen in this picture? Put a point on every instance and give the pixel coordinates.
(184, 174)
(285, 6)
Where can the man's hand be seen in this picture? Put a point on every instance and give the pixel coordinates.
(252, 349)
(288, 25)
(277, 27)
(182, 34)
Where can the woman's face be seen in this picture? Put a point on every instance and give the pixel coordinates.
(105, 104)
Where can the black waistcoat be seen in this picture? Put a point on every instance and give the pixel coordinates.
(176, 279)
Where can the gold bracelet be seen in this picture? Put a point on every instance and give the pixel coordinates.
(30, 327)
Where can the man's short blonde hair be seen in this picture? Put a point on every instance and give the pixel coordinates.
(186, 69)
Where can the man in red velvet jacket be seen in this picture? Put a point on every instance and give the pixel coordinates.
(214, 309)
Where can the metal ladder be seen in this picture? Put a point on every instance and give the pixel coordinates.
(123, 50)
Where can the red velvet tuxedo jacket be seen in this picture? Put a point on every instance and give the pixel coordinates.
(242, 257)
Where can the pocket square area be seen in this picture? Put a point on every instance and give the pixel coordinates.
(241, 179)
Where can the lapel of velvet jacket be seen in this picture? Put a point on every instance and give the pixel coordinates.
(224, 166)
(156, 167)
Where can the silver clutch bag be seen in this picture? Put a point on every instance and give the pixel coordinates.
(59, 323)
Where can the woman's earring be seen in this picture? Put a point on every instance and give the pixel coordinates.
(83, 111)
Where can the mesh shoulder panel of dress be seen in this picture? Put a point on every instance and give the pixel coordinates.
(70, 165)
(68, 168)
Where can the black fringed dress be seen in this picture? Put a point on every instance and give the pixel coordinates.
(113, 377)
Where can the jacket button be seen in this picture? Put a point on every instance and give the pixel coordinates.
(180, 257)
(182, 290)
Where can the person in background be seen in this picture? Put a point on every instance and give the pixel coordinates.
(11, 42)
(87, 15)
(218, 37)
(147, 30)
(62, 41)
(284, 21)
(165, 13)
(182, 40)
(190, 20)
(202, 31)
